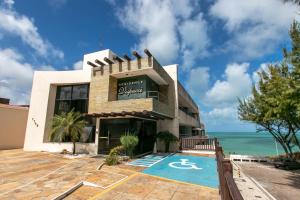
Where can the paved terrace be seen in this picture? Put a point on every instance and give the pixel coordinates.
(40, 175)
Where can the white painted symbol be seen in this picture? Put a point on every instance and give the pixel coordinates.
(184, 164)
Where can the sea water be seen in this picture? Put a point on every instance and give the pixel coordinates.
(248, 143)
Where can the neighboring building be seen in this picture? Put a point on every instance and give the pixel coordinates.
(118, 95)
(13, 120)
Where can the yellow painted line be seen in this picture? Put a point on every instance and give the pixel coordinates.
(176, 181)
(114, 186)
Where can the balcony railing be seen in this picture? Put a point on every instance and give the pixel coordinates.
(228, 188)
(187, 112)
(198, 143)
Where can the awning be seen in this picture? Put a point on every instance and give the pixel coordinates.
(145, 114)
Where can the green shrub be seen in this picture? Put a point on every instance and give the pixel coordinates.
(129, 142)
(167, 137)
(112, 160)
(113, 156)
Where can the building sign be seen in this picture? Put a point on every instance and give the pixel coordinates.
(132, 88)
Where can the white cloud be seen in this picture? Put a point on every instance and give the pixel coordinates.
(237, 84)
(16, 76)
(155, 23)
(184, 8)
(8, 3)
(225, 119)
(198, 79)
(78, 65)
(227, 113)
(257, 27)
(14, 24)
(262, 67)
(167, 28)
(195, 40)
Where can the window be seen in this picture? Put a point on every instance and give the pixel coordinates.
(76, 97)
(72, 97)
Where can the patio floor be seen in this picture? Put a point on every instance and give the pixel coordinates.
(41, 175)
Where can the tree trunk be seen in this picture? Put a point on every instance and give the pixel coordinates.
(284, 146)
(74, 148)
(290, 150)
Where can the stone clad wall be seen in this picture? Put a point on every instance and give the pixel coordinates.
(103, 89)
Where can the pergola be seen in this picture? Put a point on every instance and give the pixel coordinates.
(99, 65)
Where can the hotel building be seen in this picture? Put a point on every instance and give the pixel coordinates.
(117, 95)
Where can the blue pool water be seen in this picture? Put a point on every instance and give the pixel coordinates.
(190, 169)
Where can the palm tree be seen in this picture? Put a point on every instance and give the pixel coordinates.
(67, 126)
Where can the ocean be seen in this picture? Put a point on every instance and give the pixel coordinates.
(247, 143)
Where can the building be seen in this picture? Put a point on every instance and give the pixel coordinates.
(117, 95)
(13, 120)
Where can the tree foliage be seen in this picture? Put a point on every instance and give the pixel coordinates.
(67, 126)
(274, 105)
(129, 142)
(167, 137)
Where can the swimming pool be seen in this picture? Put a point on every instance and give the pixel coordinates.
(191, 169)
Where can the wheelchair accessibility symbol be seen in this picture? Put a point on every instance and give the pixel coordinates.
(184, 164)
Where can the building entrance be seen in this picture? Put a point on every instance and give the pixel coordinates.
(112, 129)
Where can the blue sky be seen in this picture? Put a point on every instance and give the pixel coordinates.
(219, 45)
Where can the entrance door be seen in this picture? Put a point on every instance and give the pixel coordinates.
(104, 142)
(112, 129)
(110, 133)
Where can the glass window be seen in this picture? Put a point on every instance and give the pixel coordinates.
(72, 97)
(79, 105)
(80, 92)
(76, 97)
(64, 92)
(62, 106)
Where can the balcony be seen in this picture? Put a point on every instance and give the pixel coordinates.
(185, 99)
(188, 120)
(158, 96)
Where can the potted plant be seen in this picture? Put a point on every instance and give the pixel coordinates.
(67, 126)
(167, 137)
(129, 141)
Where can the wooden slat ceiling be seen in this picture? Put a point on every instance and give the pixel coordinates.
(145, 114)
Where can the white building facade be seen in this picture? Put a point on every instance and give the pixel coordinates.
(116, 95)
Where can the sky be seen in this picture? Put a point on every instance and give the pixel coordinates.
(219, 45)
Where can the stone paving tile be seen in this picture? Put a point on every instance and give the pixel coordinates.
(152, 188)
(84, 192)
(104, 179)
(160, 194)
(184, 195)
(40, 175)
(32, 176)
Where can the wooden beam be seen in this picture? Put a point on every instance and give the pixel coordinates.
(127, 58)
(99, 62)
(91, 64)
(138, 56)
(98, 68)
(117, 58)
(147, 52)
(108, 61)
